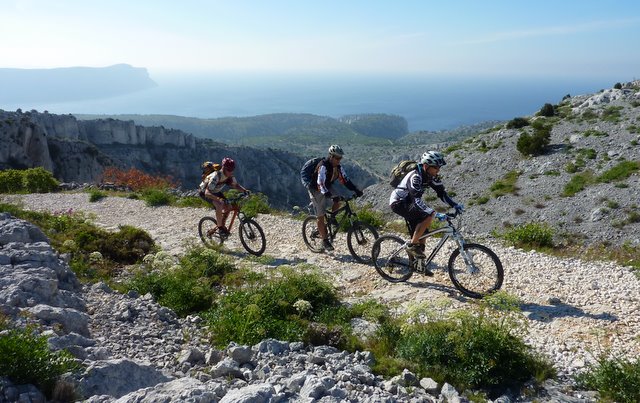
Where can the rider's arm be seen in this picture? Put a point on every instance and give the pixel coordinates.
(322, 177)
(438, 186)
(344, 179)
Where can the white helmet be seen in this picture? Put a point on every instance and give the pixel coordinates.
(432, 158)
(335, 151)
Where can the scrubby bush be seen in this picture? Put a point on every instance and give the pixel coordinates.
(517, 123)
(547, 110)
(157, 197)
(621, 171)
(531, 235)
(534, 144)
(256, 203)
(96, 195)
(26, 358)
(617, 379)
(617, 86)
(506, 185)
(32, 180)
(137, 180)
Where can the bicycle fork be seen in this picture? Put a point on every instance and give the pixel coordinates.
(466, 256)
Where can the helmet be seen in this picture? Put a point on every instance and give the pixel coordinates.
(335, 151)
(432, 158)
(228, 164)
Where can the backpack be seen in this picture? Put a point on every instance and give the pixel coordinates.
(308, 170)
(208, 167)
(400, 171)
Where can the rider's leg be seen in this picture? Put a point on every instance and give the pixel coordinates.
(420, 230)
(220, 205)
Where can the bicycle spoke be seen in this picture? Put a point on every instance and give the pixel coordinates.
(391, 259)
(360, 239)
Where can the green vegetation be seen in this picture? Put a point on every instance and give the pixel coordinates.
(621, 171)
(71, 232)
(578, 183)
(617, 379)
(96, 195)
(157, 197)
(26, 358)
(589, 115)
(32, 180)
(517, 123)
(547, 110)
(530, 236)
(612, 114)
(595, 133)
(535, 143)
(478, 347)
(506, 185)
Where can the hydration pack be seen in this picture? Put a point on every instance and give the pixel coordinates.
(308, 171)
(400, 171)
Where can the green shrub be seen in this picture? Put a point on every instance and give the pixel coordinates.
(589, 114)
(517, 123)
(547, 110)
(595, 133)
(96, 195)
(533, 235)
(272, 309)
(39, 180)
(534, 144)
(617, 86)
(32, 180)
(186, 287)
(578, 183)
(617, 379)
(26, 359)
(157, 197)
(612, 114)
(256, 203)
(620, 172)
(506, 185)
(11, 181)
(192, 201)
(370, 216)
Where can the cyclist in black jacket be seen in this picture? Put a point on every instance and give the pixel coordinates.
(406, 198)
(327, 173)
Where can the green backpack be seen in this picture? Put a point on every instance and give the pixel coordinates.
(400, 171)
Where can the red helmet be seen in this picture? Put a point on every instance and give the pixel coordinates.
(228, 164)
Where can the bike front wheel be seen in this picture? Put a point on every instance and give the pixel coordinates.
(252, 237)
(481, 275)
(360, 239)
(311, 235)
(208, 231)
(391, 259)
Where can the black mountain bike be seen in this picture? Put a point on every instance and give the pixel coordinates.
(474, 269)
(360, 235)
(251, 234)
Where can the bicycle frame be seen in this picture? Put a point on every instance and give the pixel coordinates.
(346, 208)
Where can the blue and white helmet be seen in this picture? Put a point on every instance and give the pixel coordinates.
(433, 158)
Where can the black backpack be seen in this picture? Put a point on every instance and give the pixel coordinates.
(400, 171)
(308, 170)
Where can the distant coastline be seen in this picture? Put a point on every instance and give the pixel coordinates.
(427, 103)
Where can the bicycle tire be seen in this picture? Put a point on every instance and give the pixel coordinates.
(252, 237)
(395, 269)
(208, 231)
(487, 277)
(360, 239)
(310, 234)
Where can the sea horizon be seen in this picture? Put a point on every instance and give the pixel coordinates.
(426, 102)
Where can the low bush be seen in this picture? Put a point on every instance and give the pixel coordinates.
(535, 143)
(256, 203)
(531, 235)
(32, 180)
(184, 286)
(620, 172)
(96, 195)
(506, 185)
(578, 183)
(137, 180)
(547, 110)
(617, 379)
(157, 197)
(517, 123)
(26, 359)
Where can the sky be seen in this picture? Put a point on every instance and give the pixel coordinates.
(563, 38)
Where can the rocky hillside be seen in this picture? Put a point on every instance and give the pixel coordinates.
(500, 187)
(79, 151)
(135, 349)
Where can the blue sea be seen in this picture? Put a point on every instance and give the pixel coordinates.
(427, 102)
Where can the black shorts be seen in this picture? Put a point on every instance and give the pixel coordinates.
(411, 212)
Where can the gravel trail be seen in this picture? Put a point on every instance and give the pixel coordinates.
(575, 309)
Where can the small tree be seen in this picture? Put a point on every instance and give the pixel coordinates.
(517, 123)
(547, 110)
(534, 144)
(617, 86)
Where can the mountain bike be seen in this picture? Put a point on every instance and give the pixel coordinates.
(251, 234)
(474, 269)
(360, 235)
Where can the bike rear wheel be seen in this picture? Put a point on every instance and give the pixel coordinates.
(360, 239)
(252, 237)
(208, 231)
(391, 258)
(484, 274)
(311, 235)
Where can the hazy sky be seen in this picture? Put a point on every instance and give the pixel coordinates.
(588, 38)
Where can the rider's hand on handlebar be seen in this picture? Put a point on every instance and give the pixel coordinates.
(440, 216)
